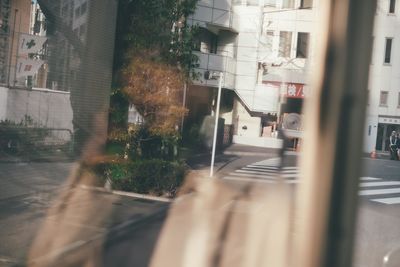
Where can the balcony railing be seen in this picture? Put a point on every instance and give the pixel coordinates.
(214, 14)
(218, 63)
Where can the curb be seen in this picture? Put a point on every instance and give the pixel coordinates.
(267, 154)
(127, 194)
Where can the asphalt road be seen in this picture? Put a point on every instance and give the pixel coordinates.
(377, 231)
(28, 189)
(377, 228)
(28, 194)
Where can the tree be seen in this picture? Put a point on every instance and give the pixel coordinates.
(155, 89)
(153, 60)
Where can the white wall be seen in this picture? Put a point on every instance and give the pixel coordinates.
(383, 77)
(3, 103)
(48, 108)
(243, 119)
(370, 133)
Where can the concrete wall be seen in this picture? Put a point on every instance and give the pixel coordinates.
(247, 126)
(47, 108)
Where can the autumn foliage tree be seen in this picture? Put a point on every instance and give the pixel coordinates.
(155, 88)
(153, 61)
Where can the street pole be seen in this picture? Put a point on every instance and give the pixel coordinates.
(183, 104)
(216, 125)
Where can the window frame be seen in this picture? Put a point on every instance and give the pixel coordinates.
(388, 54)
(382, 93)
(398, 100)
(298, 45)
(304, 6)
(288, 45)
(392, 7)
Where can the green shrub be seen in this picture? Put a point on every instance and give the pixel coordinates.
(153, 176)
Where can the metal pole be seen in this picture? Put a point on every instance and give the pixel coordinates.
(12, 48)
(183, 104)
(216, 125)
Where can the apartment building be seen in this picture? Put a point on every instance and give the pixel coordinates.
(65, 62)
(264, 49)
(383, 111)
(14, 19)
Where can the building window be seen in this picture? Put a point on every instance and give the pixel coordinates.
(373, 49)
(269, 41)
(288, 4)
(388, 50)
(82, 30)
(77, 12)
(398, 101)
(392, 6)
(383, 99)
(83, 8)
(270, 3)
(285, 44)
(302, 44)
(205, 42)
(261, 71)
(306, 3)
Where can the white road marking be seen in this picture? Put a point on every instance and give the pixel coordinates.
(379, 183)
(261, 175)
(390, 200)
(263, 172)
(369, 178)
(242, 179)
(379, 192)
(254, 175)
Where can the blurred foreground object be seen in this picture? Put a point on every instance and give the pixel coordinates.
(219, 225)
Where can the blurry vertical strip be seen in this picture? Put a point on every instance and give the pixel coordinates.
(335, 115)
(5, 11)
(82, 62)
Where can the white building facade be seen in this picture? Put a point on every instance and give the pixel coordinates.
(263, 48)
(383, 111)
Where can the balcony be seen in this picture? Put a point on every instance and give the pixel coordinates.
(218, 63)
(214, 15)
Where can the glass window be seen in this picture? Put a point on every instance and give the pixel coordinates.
(83, 8)
(77, 12)
(392, 6)
(398, 100)
(388, 50)
(285, 43)
(306, 3)
(269, 41)
(302, 44)
(253, 2)
(383, 98)
(82, 29)
(270, 3)
(288, 4)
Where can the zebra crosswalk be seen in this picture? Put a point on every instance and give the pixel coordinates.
(268, 171)
(381, 191)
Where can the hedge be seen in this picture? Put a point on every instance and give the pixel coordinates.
(153, 176)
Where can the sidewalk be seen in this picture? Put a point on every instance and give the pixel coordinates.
(379, 155)
(200, 163)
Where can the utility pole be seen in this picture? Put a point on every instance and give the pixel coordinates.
(210, 76)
